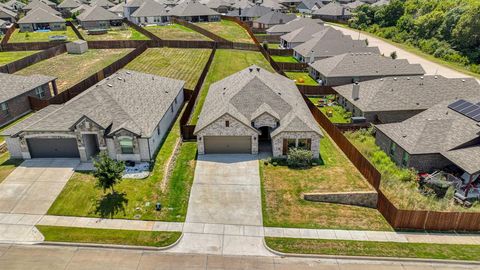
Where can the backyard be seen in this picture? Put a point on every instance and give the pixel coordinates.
(399, 184)
(81, 196)
(226, 63)
(335, 113)
(175, 32)
(284, 58)
(301, 78)
(181, 64)
(18, 37)
(120, 33)
(72, 68)
(228, 30)
(8, 57)
(282, 188)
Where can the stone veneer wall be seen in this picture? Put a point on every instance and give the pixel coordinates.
(277, 142)
(265, 120)
(359, 198)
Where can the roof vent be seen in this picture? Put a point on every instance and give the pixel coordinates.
(463, 80)
(258, 69)
(119, 78)
(128, 72)
(421, 77)
(436, 77)
(250, 69)
(166, 92)
(109, 85)
(408, 78)
(395, 78)
(381, 79)
(279, 93)
(153, 78)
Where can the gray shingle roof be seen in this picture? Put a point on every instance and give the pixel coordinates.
(303, 34)
(251, 12)
(309, 4)
(2, 23)
(34, 4)
(331, 42)
(39, 15)
(15, 3)
(127, 100)
(292, 25)
(275, 17)
(409, 92)
(273, 4)
(355, 4)
(118, 8)
(102, 3)
(381, 3)
(69, 4)
(365, 64)
(191, 9)
(150, 8)
(8, 12)
(439, 130)
(14, 85)
(244, 93)
(81, 8)
(332, 9)
(97, 13)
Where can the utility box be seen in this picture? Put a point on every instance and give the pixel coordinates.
(77, 47)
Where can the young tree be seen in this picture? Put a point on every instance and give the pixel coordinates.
(108, 171)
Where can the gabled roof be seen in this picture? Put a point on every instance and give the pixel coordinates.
(127, 100)
(214, 4)
(355, 4)
(13, 3)
(365, 64)
(2, 22)
(333, 9)
(381, 3)
(440, 130)
(9, 12)
(80, 9)
(34, 4)
(97, 13)
(15, 85)
(39, 15)
(331, 42)
(191, 9)
(251, 12)
(134, 3)
(309, 4)
(118, 8)
(275, 17)
(49, 3)
(273, 4)
(242, 4)
(253, 91)
(150, 8)
(70, 4)
(303, 34)
(102, 3)
(292, 25)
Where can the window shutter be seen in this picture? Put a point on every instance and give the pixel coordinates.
(285, 147)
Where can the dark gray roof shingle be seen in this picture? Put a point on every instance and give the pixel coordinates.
(15, 85)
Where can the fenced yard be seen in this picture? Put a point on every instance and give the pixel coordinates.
(118, 33)
(301, 78)
(72, 68)
(175, 32)
(181, 64)
(19, 37)
(8, 57)
(228, 30)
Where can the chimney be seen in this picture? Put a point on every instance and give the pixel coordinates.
(356, 91)
(311, 58)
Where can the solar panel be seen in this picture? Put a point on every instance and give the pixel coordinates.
(456, 103)
(469, 109)
(466, 108)
(476, 118)
(463, 106)
(474, 112)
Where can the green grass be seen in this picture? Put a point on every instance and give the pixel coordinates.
(80, 195)
(18, 36)
(284, 59)
(122, 33)
(175, 32)
(339, 114)
(228, 30)
(375, 249)
(8, 57)
(282, 189)
(301, 78)
(226, 63)
(7, 165)
(2, 129)
(181, 64)
(274, 45)
(108, 236)
(72, 68)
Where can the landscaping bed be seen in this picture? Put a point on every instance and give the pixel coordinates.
(175, 32)
(228, 30)
(20, 37)
(282, 189)
(375, 249)
(108, 236)
(121, 33)
(284, 59)
(8, 57)
(181, 64)
(301, 78)
(73, 68)
(226, 63)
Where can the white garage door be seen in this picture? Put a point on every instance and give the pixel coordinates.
(227, 144)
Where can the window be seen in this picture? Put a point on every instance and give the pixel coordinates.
(304, 144)
(126, 145)
(227, 123)
(393, 148)
(40, 92)
(405, 159)
(4, 107)
(291, 143)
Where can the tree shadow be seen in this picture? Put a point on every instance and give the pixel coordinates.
(110, 204)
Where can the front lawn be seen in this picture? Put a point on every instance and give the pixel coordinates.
(108, 236)
(284, 58)
(301, 78)
(81, 197)
(181, 64)
(19, 37)
(120, 33)
(226, 63)
(175, 32)
(228, 30)
(7, 165)
(282, 188)
(8, 57)
(73, 68)
(375, 249)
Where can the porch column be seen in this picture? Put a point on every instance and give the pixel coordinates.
(54, 87)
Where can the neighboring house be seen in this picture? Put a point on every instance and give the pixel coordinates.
(67, 6)
(253, 108)
(328, 43)
(8, 15)
(194, 12)
(309, 6)
(98, 18)
(127, 115)
(150, 12)
(273, 5)
(358, 67)
(292, 25)
(301, 35)
(118, 9)
(272, 18)
(291, 5)
(334, 12)
(381, 3)
(15, 90)
(102, 3)
(49, 3)
(395, 99)
(15, 5)
(251, 13)
(354, 5)
(130, 7)
(40, 19)
(34, 4)
(79, 10)
(437, 138)
(3, 27)
(220, 6)
(241, 4)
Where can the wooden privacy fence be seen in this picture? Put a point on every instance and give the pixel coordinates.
(268, 38)
(8, 34)
(316, 90)
(141, 30)
(352, 126)
(292, 66)
(281, 52)
(75, 30)
(31, 46)
(115, 44)
(32, 59)
(198, 29)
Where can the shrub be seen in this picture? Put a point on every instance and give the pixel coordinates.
(299, 158)
(393, 55)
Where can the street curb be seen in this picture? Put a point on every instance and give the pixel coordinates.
(109, 246)
(361, 258)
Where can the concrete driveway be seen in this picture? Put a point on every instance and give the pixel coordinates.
(33, 186)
